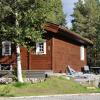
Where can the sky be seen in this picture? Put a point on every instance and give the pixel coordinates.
(68, 6)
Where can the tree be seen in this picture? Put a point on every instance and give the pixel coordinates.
(20, 23)
(56, 14)
(86, 19)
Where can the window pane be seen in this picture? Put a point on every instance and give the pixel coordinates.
(6, 48)
(41, 48)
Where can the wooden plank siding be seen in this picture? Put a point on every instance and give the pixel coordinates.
(66, 53)
(32, 61)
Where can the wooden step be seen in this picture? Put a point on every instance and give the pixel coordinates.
(35, 74)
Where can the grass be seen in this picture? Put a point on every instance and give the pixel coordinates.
(53, 85)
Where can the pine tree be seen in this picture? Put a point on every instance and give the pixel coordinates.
(86, 18)
(55, 14)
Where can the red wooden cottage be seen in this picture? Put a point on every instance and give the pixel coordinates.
(60, 48)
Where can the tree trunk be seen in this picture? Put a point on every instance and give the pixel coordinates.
(19, 69)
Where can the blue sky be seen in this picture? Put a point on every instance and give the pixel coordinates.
(68, 6)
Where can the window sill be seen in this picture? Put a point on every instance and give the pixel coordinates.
(40, 53)
(6, 55)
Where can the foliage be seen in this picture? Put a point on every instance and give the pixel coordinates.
(21, 20)
(85, 17)
(55, 14)
(86, 22)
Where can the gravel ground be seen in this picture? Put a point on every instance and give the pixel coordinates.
(58, 97)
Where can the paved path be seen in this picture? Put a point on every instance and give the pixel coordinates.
(58, 97)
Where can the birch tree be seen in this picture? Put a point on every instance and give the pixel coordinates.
(21, 23)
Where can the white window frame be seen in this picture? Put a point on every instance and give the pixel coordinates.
(38, 52)
(82, 53)
(3, 48)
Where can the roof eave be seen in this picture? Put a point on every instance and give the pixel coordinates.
(58, 28)
(77, 36)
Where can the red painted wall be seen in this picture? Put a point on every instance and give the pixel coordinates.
(32, 61)
(65, 53)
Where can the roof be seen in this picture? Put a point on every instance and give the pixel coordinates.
(63, 31)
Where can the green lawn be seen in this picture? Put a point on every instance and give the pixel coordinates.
(53, 85)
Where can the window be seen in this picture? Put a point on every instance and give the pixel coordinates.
(41, 47)
(6, 48)
(82, 53)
